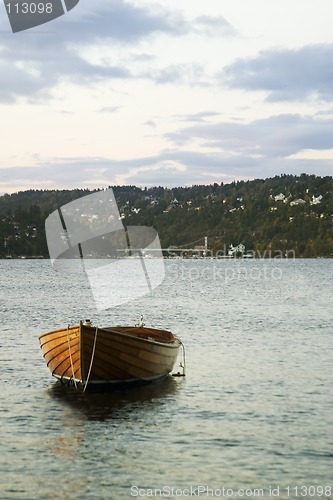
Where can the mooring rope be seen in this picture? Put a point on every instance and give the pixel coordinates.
(91, 360)
(70, 356)
(182, 364)
(184, 360)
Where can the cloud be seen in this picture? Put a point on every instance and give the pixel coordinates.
(214, 26)
(168, 168)
(198, 117)
(126, 22)
(276, 136)
(150, 123)
(109, 109)
(185, 74)
(19, 81)
(114, 19)
(258, 149)
(287, 75)
(34, 62)
(57, 51)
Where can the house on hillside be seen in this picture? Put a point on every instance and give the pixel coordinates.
(236, 251)
(316, 200)
(297, 202)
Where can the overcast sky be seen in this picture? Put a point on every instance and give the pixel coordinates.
(170, 93)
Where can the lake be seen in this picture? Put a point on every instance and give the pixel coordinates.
(252, 418)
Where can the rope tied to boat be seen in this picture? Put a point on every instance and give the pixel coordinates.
(70, 356)
(182, 363)
(91, 360)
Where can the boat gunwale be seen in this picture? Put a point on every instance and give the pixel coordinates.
(173, 343)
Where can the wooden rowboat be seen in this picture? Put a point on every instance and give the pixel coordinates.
(84, 355)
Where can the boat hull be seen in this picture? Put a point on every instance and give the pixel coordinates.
(87, 356)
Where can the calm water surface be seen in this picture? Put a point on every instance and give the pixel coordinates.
(252, 418)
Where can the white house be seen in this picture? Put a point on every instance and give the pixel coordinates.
(316, 200)
(239, 249)
(299, 201)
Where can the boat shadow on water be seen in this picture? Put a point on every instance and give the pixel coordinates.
(119, 403)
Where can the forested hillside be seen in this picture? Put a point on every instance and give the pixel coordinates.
(274, 215)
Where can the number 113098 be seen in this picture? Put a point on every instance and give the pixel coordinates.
(29, 8)
(309, 491)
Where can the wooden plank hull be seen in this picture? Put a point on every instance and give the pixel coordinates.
(85, 355)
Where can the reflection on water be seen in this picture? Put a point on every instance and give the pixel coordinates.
(116, 404)
(125, 418)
